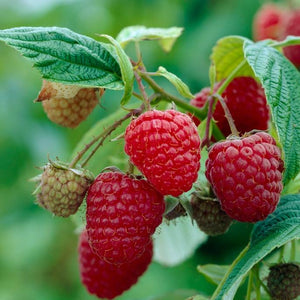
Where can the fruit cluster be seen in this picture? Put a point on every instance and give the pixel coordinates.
(274, 21)
(123, 210)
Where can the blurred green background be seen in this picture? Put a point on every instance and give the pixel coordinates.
(38, 252)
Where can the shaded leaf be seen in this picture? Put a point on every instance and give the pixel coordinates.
(166, 36)
(213, 273)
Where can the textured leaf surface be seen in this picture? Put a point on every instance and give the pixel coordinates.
(227, 55)
(288, 41)
(65, 56)
(279, 228)
(281, 82)
(181, 87)
(166, 36)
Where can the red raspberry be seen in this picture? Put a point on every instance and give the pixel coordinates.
(245, 175)
(165, 146)
(292, 27)
(106, 280)
(268, 22)
(122, 214)
(246, 101)
(68, 105)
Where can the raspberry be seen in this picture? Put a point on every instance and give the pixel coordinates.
(68, 105)
(122, 214)
(245, 175)
(246, 100)
(61, 189)
(209, 216)
(284, 281)
(165, 147)
(292, 27)
(268, 22)
(106, 280)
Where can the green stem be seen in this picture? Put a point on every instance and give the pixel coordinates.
(256, 274)
(163, 95)
(219, 287)
(281, 254)
(250, 283)
(293, 250)
(225, 83)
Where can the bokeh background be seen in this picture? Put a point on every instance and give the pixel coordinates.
(38, 252)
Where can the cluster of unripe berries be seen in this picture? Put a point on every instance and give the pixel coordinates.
(124, 210)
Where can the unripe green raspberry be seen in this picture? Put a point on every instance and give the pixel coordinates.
(61, 189)
(284, 281)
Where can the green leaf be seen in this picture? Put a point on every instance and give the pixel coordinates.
(288, 41)
(166, 36)
(277, 229)
(176, 241)
(126, 69)
(64, 56)
(213, 273)
(228, 55)
(281, 82)
(181, 87)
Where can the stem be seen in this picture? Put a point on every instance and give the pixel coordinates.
(227, 115)
(219, 287)
(256, 274)
(225, 83)
(293, 250)
(136, 95)
(250, 283)
(163, 95)
(281, 253)
(102, 136)
(206, 138)
(142, 89)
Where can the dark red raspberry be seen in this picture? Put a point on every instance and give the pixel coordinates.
(165, 146)
(245, 175)
(284, 281)
(106, 280)
(209, 216)
(292, 27)
(246, 100)
(268, 22)
(122, 213)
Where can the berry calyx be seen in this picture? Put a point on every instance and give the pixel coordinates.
(245, 175)
(122, 213)
(68, 105)
(165, 147)
(246, 101)
(106, 280)
(61, 189)
(283, 281)
(209, 216)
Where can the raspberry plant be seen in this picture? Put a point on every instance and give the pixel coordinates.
(128, 199)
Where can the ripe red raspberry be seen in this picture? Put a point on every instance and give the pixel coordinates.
(67, 105)
(209, 216)
(122, 213)
(245, 175)
(165, 147)
(268, 22)
(292, 27)
(284, 281)
(61, 190)
(106, 280)
(246, 101)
